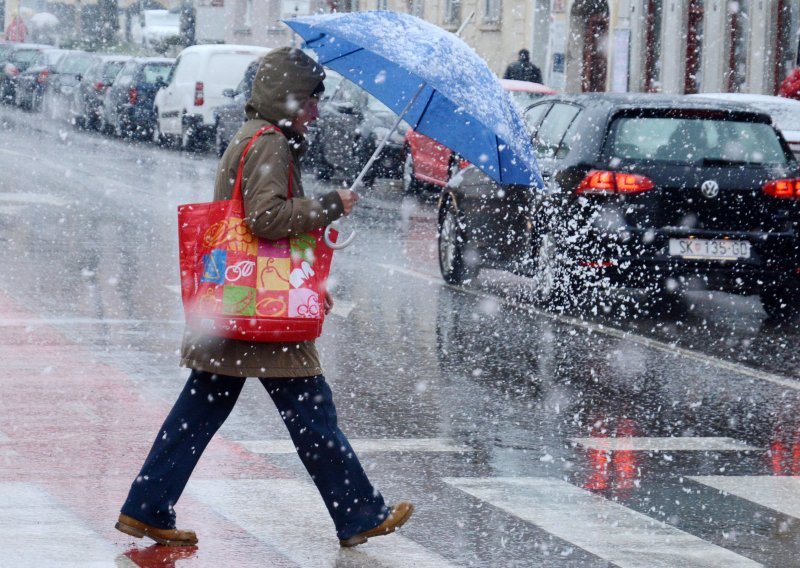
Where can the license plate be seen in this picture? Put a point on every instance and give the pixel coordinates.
(66, 90)
(719, 249)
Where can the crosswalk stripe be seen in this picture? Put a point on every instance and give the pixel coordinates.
(606, 529)
(44, 533)
(364, 445)
(289, 515)
(780, 493)
(698, 444)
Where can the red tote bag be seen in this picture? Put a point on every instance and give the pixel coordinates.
(239, 286)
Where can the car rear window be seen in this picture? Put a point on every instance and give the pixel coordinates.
(23, 57)
(695, 141)
(112, 69)
(228, 68)
(74, 64)
(153, 71)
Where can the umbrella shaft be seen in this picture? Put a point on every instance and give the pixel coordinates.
(378, 150)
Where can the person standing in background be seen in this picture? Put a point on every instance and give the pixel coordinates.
(523, 70)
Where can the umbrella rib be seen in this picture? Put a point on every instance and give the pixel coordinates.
(356, 50)
(425, 107)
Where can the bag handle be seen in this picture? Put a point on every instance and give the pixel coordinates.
(237, 186)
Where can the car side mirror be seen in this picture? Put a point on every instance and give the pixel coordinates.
(79, 77)
(160, 83)
(230, 93)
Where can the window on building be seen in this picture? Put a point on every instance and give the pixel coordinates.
(414, 7)
(738, 29)
(694, 47)
(383, 4)
(784, 40)
(452, 12)
(652, 42)
(492, 11)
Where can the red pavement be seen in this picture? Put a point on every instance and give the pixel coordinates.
(80, 430)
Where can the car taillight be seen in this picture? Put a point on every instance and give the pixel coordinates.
(602, 182)
(11, 70)
(783, 188)
(42, 77)
(198, 94)
(132, 96)
(99, 86)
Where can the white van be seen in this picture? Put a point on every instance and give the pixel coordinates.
(155, 28)
(184, 106)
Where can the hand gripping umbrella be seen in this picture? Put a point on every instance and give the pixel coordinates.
(432, 80)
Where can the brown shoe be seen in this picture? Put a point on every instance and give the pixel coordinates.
(166, 537)
(397, 517)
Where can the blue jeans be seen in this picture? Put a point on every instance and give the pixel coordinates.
(306, 405)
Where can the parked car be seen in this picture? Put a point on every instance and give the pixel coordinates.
(32, 83)
(62, 82)
(15, 61)
(128, 103)
(428, 165)
(785, 113)
(87, 101)
(229, 117)
(351, 124)
(641, 191)
(185, 106)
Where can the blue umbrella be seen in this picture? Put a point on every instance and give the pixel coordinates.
(433, 80)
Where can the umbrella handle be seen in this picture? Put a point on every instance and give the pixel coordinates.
(338, 245)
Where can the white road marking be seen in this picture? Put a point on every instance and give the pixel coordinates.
(780, 380)
(16, 322)
(364, 446)
(38, 531)
(698, 444)
(289, 516)
(616, 534)
(33, 198)
(780, 493)
(11, 209)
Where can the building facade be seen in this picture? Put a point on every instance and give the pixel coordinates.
(670, 46)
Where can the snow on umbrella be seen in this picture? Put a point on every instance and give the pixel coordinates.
(433, 79)
(44, 20)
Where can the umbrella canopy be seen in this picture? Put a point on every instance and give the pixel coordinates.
(44, 20)
(459, 101)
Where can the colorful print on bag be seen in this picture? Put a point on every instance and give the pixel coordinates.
(238, 286)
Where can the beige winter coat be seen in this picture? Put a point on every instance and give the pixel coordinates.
(283, 83)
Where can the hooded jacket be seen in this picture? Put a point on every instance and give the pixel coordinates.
(285, 80)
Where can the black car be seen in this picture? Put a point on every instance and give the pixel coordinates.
(87, 99)
(16, 60)
(230, 117)
(351, 124)
(128, 104)
(32, 83)
(62, 83)
(645, 191)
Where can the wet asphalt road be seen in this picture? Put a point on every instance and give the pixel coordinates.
(620, 433)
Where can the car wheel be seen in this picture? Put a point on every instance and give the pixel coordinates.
(779, 301)
(158, 137)
(454, 262)
(36, 102)
(411, 184)
(188, 138)
(18, 99)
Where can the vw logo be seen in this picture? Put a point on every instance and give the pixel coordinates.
(709, 189)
